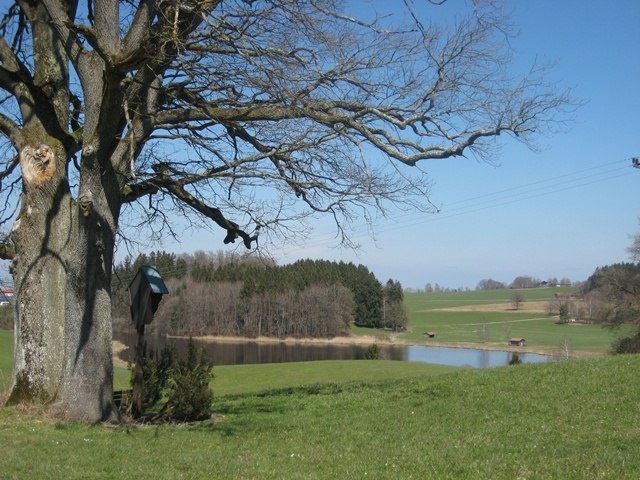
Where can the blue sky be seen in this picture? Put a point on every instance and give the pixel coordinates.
(558, 212)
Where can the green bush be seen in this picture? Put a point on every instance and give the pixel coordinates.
(187, 390)
(373, 352)
(156, 370)
(627, 344)
(176, 389)
(564, 313)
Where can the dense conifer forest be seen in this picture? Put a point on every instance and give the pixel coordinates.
(236, 295)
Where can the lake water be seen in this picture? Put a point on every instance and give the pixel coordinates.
(238, 353)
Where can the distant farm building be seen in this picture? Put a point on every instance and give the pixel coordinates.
(516, 342)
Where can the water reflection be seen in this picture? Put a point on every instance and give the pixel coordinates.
(469, 357)
(238, 353)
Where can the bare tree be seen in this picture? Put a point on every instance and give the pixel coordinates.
(565, 349)
(483, 331)
(634, 248)
(524, 281)
(251, 115)
(507, 327)
(517, 299)
(490, 284)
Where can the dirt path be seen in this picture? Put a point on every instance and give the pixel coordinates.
(525, 307)
(502, 322)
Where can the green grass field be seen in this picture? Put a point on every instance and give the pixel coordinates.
(541, 331)
(242, 379)
(372, 419)
(561, 420)
(6, 358)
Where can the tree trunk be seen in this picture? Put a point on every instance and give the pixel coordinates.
(63, 282)
(86, 390)
(41, 236)
(87, 382)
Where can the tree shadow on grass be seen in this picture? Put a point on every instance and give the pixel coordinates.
(244, 407)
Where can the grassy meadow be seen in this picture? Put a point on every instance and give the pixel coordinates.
(487, 317)
(373, 419)
(6, 358)
(571, 420)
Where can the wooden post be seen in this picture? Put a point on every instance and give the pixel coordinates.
(145, 293)
(138, 379)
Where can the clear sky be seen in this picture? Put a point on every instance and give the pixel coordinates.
(558, 212)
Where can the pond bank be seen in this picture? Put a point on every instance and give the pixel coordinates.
(356, 344)
(386, 340)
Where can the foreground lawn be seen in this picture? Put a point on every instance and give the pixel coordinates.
(568, 420)
(241, 379)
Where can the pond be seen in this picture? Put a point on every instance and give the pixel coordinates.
(238, 353)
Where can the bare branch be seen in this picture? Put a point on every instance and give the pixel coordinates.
(13, 73)
(134, 40)
(232, 228)
(61, 21)
(10, 129)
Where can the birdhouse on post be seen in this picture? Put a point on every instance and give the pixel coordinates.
(145, 292)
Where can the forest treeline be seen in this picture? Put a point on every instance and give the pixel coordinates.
(614, 293)
(236, 295)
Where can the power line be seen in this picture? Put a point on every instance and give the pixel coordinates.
(491, 200)
(486, 201)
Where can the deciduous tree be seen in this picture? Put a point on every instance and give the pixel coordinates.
(634, 248)
(490, 284)
(252, 115)
(516, 300)
(524, 281)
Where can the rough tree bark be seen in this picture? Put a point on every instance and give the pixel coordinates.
(40, 235)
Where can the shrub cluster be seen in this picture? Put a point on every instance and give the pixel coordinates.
(373, 352)
(629, 344)
(177, 389)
